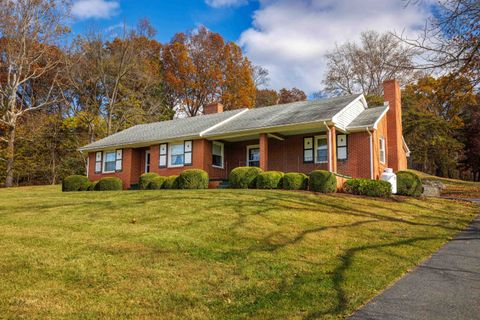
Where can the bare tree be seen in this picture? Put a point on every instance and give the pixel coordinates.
(353, 68)
(29, 33)
(450, 40)
(260, 76)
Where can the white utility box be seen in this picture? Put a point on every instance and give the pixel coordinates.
(391, 178)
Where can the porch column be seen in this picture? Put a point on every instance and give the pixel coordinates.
(333, 152)
(263, 151)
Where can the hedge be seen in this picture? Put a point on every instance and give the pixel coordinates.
(193, 179)
(109, 184)
(145, 180)
(322, 181)
(156, 183)
(409, 184)
(75, 183)
(243, 177)
(92, 185)
(295, 181)
(367, 187)
(269, 180)
(171, 182)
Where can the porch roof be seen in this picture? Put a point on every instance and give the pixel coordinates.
(368, 118)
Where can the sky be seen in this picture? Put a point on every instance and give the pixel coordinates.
(288, 37)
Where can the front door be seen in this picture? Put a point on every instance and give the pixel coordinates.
(253, 156)
(147, 161)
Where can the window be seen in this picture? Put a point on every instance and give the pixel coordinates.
(382, 149)
(109, 161)
(321, 149)
(253, 156)
(98, 162)
(177, 155)
(308, 150)
(217, 154)
(342, 147)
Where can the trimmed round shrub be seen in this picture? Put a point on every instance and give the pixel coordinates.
(295, 181)
(269, 180)
(243, 177)
(193, 179)
(145, 180)
(109, 184)
(409, 184)
(92, 185)
(75, 183)
(322, 181)
(156, 183)
(367, 187)
(171, 182)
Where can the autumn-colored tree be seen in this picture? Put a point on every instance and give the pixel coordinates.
(293, 95)
(265, 98)
(199, 68)
(471, 139)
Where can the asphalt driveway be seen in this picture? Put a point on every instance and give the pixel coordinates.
(447, 286)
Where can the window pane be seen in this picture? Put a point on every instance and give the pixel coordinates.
(110, 166)
(342, 153)
(217, 160)
(321, 142)
(176, 149)
(308, 155)
(110, 156)
(322, 155)
(177, 159)
(217, 149)
(254, 154)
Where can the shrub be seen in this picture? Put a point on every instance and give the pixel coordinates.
(367, 187)
(171, 182)
(91, 186)
(322, 181)
(145, 180)
(409, 184)
(193, 179)
(75, 183)
(156, 183)
(109, 184)
(243, 177)
(295, 181)
(269, 180)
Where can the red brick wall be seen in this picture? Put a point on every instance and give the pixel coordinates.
(357, 164)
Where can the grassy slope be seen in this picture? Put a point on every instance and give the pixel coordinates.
(214, 254)
(455, 188)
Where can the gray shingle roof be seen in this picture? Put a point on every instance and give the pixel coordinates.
(367, 118)
(162, 131)
(285, 114)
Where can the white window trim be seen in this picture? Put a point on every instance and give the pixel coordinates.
(222, 146)
(382, 144)
(315, 143)
(253, 146)
(104, 160)
(170, 165)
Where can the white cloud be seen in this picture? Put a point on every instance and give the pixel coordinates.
(225, 3)
(291, 37)
(85, 9)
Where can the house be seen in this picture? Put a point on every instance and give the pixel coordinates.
(343, 135)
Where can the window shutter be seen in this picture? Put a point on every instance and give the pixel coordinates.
(162, 161)
(98, 162)
(342, 147)
(188, 149)
(308, 150)
(118, 160)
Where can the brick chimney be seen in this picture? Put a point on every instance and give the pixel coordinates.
(397, 158)
(213, 108)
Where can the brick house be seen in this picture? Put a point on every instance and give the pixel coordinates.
(343, 135)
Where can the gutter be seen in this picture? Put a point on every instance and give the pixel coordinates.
(329, 146)
(371, 154)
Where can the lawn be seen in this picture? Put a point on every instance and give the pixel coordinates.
(210, 254)
(455, 188)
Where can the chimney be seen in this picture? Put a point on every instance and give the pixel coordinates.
(213, 108)
(396, 155)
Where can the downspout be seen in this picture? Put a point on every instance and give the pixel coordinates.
(329, 146)
(371, 154)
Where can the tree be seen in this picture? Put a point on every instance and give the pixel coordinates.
(450, 40)
(29, 33)
(260, 76)
(471, 139)
(288, 96)
(265, 98)
(353, 68)
(199, 68)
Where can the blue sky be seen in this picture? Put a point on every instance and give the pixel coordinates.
(288, 37)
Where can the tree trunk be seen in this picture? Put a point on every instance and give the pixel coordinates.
(10, 156)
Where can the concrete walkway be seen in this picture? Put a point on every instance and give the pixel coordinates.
(447, 286)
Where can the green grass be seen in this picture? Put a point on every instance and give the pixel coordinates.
(454, 188)
(209, 254)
